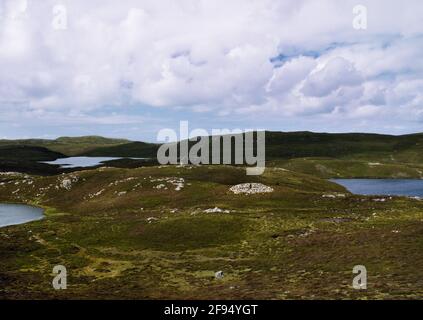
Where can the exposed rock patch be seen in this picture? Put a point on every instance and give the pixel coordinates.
(66, 183)
(177, 183)
(219, 275)
(216, 210)
(251, 188)
(334, 195)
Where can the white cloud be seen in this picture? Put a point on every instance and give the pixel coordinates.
(213, 57)
(335, 74)
(290, 74)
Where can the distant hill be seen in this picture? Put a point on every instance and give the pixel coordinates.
(279, 146)
(93, 140)
(132, 149)
(346, 146)
(28, 153)
(69, 146)
(22, 158)
(405, 148)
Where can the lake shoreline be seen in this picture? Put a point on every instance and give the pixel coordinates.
(21, 213)
(383, 187)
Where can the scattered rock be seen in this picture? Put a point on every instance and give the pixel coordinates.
(151, 219)
(160, 186)
(11, 174)
(177, 183)
(216, 210)
(93, 195)
(334, 195)
(66, 183)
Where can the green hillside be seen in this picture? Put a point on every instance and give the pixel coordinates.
(405, 148)
(28, 153)
(133, 149)
(22, 158)
(163, 232)
(279, 145)
(148, 232)
(321, 154)
(344, 168)
(345, 146)
(70, 146)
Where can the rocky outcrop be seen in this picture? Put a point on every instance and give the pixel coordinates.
(251, 188)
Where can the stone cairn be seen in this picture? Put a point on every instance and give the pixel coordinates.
(251, 188)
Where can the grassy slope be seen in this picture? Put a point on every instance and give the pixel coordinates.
(28, 153)
(24, 158)
(357, 146)
(286, 244)
(343, 168)
(347, 155)
(281, 245)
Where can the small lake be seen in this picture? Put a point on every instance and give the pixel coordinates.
(389, 187)
(83, 162)
(12, 214)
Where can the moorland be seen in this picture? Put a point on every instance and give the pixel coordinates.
(132, 229)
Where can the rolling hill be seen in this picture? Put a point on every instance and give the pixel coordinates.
(163, 233)
(23, 158)
(69, 146)
(279, 145)
(28, 153)
(132, 149)
(405, 148)
(325, 155)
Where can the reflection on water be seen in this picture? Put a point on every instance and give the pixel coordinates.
(84, 162)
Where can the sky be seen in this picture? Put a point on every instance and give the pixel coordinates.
(130, 68)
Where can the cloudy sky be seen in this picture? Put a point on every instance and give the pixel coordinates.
(130, 68)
